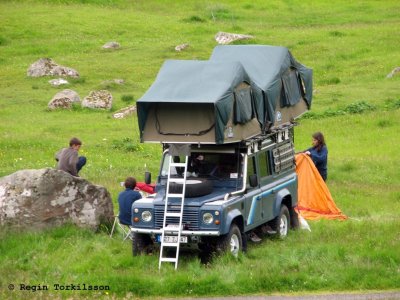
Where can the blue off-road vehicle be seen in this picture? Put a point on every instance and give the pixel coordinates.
(228, 167)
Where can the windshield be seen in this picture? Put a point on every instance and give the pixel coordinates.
(209, 165)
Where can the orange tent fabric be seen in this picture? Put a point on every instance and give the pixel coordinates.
(314, 199)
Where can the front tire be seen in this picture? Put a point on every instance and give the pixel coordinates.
(231, 242)
(141, 243)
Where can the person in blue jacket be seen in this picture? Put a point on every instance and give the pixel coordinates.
(126, 199)
(319, 154)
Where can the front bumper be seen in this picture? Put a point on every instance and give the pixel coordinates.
(174, 232)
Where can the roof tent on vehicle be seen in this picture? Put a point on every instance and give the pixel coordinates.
(198, 102)
(281, 86)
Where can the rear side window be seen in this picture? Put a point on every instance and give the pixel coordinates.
(263, 161)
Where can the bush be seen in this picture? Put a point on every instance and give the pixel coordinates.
(127, 98)
(359, 107)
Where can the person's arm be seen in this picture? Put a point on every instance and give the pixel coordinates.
(319, 156)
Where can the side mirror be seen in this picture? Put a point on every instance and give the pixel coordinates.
(147, 177)
(253, 180)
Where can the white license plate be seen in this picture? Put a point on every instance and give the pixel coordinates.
(174, 239)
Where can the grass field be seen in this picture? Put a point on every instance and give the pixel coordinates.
(351, 47)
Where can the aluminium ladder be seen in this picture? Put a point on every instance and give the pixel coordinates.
(174, 227)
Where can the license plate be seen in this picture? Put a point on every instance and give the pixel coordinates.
(173, 239)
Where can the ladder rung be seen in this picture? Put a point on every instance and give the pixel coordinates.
(173, 214)
(170, 244)
(168, 259)
(177, 165)
(177, 180)
(169, 195)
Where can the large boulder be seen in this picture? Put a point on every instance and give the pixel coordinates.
(48, 67)
(39, 199)
(98, 99)
(64, 99)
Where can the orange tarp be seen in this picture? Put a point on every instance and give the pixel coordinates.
(314, 199)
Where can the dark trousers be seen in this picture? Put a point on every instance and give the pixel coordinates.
(81, 163)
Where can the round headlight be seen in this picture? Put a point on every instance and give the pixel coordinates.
(136, 210)
(208, 218)
(146, 216)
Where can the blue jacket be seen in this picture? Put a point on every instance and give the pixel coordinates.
(320, 159)
(125, 201)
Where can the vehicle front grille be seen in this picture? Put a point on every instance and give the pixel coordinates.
(190, 218)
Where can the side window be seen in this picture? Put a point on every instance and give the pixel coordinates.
(264, 165)
(251, 168)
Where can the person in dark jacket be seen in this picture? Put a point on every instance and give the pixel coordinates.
(319, 154)
(68, 159)
(126, 199)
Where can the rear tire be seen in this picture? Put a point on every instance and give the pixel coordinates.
(281, 223)
(294, 219)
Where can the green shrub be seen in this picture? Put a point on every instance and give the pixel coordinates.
(127, 145)
(359, 107)
(127, 98)
(194, 19)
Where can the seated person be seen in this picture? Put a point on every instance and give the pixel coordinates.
(199, 165)
(126, 199)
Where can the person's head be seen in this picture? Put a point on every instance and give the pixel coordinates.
(318, 140)
(75, 143)
(130, 183)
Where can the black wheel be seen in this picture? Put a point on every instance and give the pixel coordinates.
(281, 224)
(294, 219)
(141, 243)
(231, 242)
(194, 187)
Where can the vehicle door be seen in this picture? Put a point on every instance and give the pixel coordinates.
(253, 205)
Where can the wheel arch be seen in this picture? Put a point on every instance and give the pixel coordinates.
(236, 217)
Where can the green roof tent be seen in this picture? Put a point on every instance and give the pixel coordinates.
(198, 102)
(281, 86)
(242, 91)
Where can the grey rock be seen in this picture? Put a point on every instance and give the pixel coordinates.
(44, 198)
(111, 45)
(98, 99)
(394, 72)
(64, 99)
(226, 37)
(48, 67)
(58, 82)
(181, 47)
(124, 112)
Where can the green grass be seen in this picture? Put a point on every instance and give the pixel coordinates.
(351, 47)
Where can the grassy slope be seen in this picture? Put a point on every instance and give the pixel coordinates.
(351, 47)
